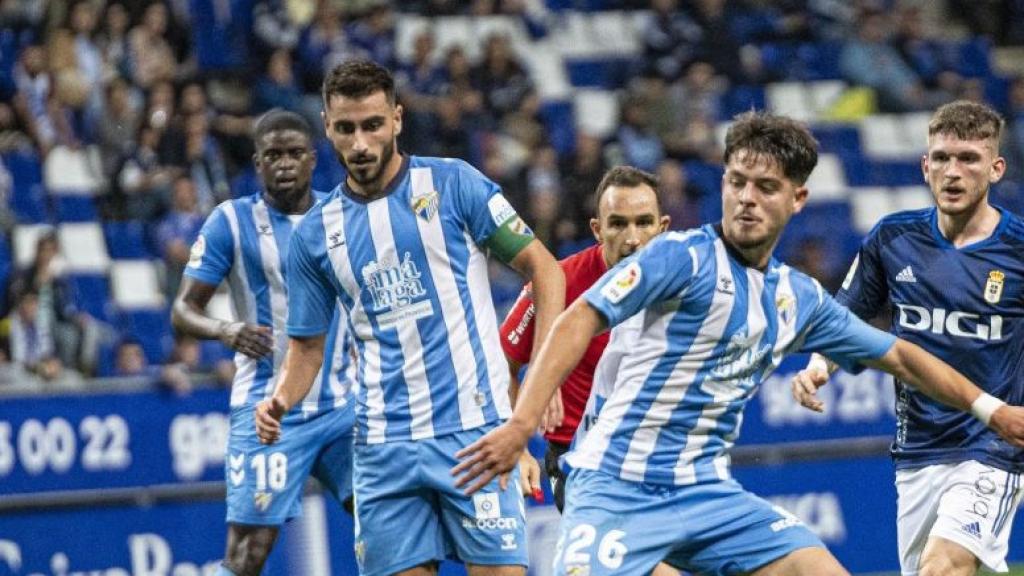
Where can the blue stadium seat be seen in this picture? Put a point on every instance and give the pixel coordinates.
(706, 177)
(894, 173)
(28, 200)
(127, 240)
(152, 328)
(830, 223)
(91, 293)
(740, 99)
(844, 141)
(6, 260)
(558, 118)
(606, 73)
(820, 60)
(972, 58)
(75, 208)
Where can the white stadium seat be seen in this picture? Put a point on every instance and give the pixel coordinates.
(135, 285)
(869, 205)
(83, 247)
(596, 111)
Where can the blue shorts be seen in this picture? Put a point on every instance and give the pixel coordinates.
(265, 483)
(408, 511)
(612, 526)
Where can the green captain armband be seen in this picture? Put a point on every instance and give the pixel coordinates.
(509, 239)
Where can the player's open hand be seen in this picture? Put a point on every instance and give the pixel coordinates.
(554, 414)
(805, 388)
(1008, 422)
(489, 457)
(269, 413)
(249, 339)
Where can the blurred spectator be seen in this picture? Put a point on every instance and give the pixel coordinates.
(501, 78)
(12, 136)
(82, 21)
(670, 40)
(419, 84)
(811, 257)
(273, 27)
(581, 172)
(678, 196)
(543, 186)
(450, 138)
(1015, 131)
(151, 54)
(204, 162)
(141, 183)
(119, 126)
(113, 43)
(525, 124)
(177, 230)
(71, 91)
(720, 47)
(870, 60)
(129, 359)
(636, 142)
(29, 334)
(461, 86)
(374, 33)
(277, 88)
(32, 101)
(323, 45)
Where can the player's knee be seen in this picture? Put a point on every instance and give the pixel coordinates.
(937, 565)
(248, 549)
(481, 570)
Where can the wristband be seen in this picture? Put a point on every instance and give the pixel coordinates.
(819, 363)
(984, 406)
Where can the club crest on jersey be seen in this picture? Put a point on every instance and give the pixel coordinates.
(425, 206)
(195, 256)
(262, 500)
(622, 283)
(994, 287)
(786, 306)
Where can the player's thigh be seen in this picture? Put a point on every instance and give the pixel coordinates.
(265, 482)
(611, 526)
(803, 562)
(396, 522)
(333, 466)
(976, 511)
(487, 528)
(736, 532)
(918, 492)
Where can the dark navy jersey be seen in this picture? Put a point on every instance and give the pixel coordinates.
(964, 305)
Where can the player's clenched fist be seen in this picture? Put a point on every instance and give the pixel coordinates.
(805, 387)
(268, 419)
(1008, 422)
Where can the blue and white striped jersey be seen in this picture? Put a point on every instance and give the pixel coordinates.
(246, 242)
(709, 331)
(964, 305)
(409, 269)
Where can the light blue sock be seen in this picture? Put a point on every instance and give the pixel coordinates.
(223, 571)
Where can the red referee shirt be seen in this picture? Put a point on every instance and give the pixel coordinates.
(582, 270)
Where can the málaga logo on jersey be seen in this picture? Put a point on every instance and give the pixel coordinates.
(994, 287)
(394, 287)
(740, 361)
(425, 206)
(953, 323)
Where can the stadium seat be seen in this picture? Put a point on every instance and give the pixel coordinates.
(895, 172)
(152, 328)
(547, 70)
(75, 208)
(869, 205)
(596, 112)
(790, 99)
(820, 60)
(135, 285)
(741, 99)
(894, 136)
(126, 240)
(828, 181)
(25, 238)
(557, 118)
(28, 196)
(912, 197)
(83, 247)
(616, 36)
(90, 293)
(484, 27)
(456, 31)
(72, 171)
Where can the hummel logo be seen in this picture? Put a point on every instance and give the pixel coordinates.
(335, 240)
(906, 275)
(974, 529)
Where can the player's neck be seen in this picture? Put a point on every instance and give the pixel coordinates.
(297, 204)
(970, 227)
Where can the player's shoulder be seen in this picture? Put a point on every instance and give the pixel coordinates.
(800, 283)
(443, 166)
(702, 238)
(902, 222)
(1014, 227)
(583, 268)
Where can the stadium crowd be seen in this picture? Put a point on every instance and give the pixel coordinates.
(156, 100)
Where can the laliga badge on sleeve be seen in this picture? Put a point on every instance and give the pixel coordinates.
(994, 287)
(622, 283)
(195, 257)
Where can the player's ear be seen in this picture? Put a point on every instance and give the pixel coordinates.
(800, 195)
(398, 119)
(663, 223)
(924, 168)
(995, 174)
(595, 229)
(327, 128)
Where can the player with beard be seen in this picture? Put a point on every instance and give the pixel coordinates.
(402, 244)
(246, 243)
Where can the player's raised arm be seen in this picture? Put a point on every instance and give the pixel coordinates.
(913, 365)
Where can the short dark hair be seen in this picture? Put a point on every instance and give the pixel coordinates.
(280, 119)
(967, 121)
(778, 138)
(358, 79)
(626, 177)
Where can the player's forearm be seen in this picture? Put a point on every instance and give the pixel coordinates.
(301, 364)
(558, 354)
(513, 381)
(915, 366)
(188, 318)
(548, 289)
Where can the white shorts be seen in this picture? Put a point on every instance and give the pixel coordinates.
(968, 503)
